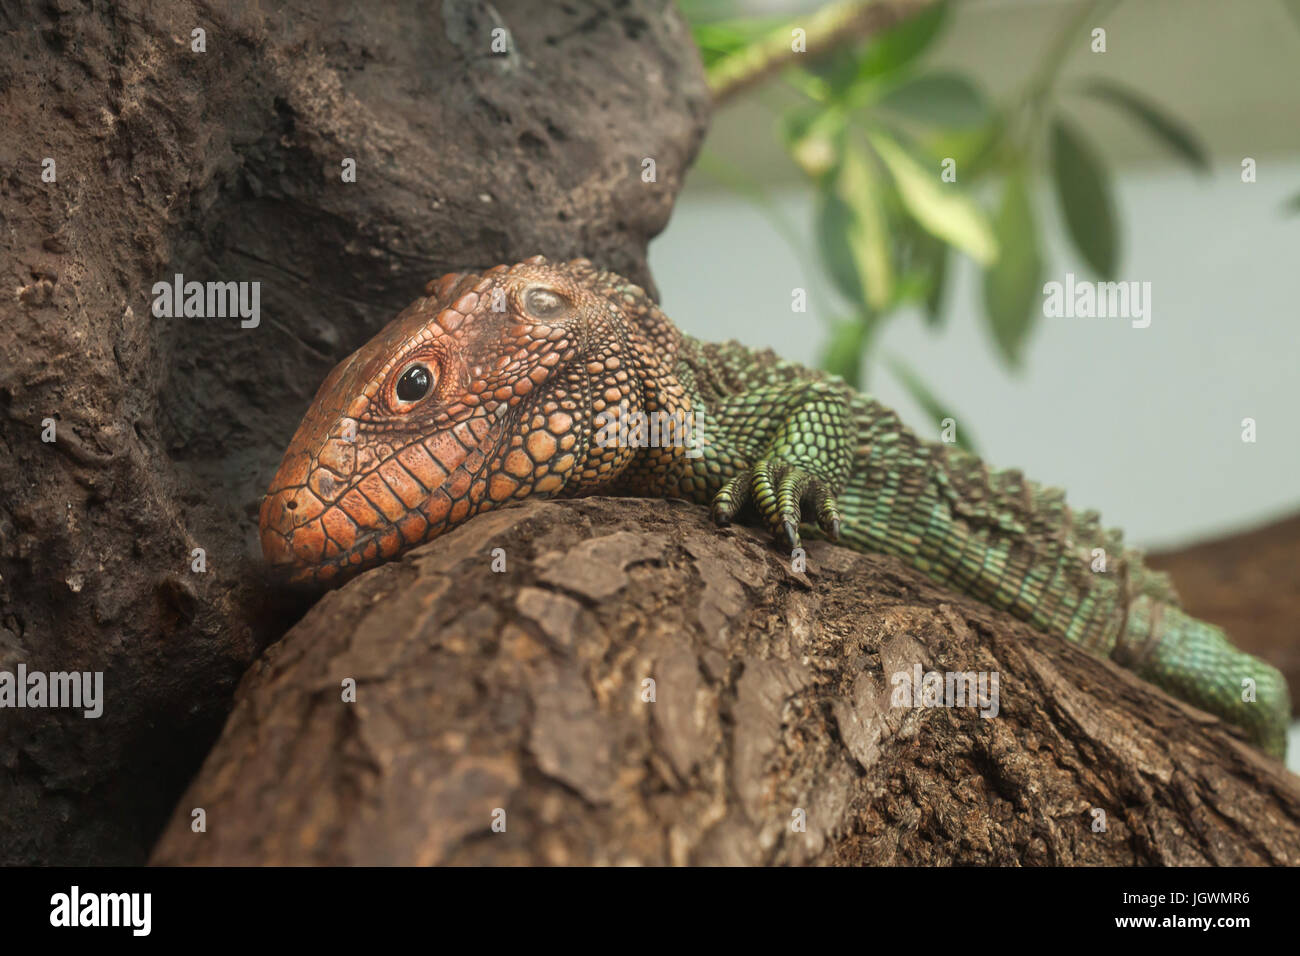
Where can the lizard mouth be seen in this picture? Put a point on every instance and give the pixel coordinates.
(411, 497)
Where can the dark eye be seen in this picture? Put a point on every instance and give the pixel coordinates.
(544, 304)
(414, 383)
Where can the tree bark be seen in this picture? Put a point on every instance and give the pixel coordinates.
(227, 164)
(519, 695)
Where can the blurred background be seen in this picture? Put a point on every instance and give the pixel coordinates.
(822, 172)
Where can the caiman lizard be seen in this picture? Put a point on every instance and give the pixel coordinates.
(495, 387)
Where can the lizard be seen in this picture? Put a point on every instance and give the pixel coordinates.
(500, 385)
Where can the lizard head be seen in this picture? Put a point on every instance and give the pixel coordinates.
(481, 393)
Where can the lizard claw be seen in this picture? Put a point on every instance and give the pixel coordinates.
(731, 498)
(780, 493)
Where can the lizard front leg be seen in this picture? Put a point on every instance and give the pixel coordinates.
(795, 441)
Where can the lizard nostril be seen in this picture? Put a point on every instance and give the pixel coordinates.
(291, 505)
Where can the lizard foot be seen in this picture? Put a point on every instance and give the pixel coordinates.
(779, 492)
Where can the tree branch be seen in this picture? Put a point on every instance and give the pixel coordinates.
(639, 686)
(826, 30)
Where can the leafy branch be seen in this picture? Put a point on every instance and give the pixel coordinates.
(891, 151)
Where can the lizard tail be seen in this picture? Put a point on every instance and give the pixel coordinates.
(1193, 661)
(1017, 546)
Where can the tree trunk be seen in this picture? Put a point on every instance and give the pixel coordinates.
(512, 687)
(129, 156)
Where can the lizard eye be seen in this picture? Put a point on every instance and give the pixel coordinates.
(543, 303)
(414, 383)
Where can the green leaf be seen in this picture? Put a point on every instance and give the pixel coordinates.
(724, 37)
(853, 234)
(1168, 130)
(977, 150)
(939, 207)
(942, 99)
(933, 407)
(902, 44)
(913, 285)
(868, 233)
(829, 75)
(831, 224)
(939, 277)
(923, 267)
(813, 135)
(843, 355)
(807, 82)
(1292, 206)
(1012, 287)
(1083, 188)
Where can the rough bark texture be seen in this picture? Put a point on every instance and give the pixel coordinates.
(1249, 585)
(226, 166)
(522, 690)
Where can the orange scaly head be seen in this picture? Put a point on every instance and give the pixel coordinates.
(480, 394)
